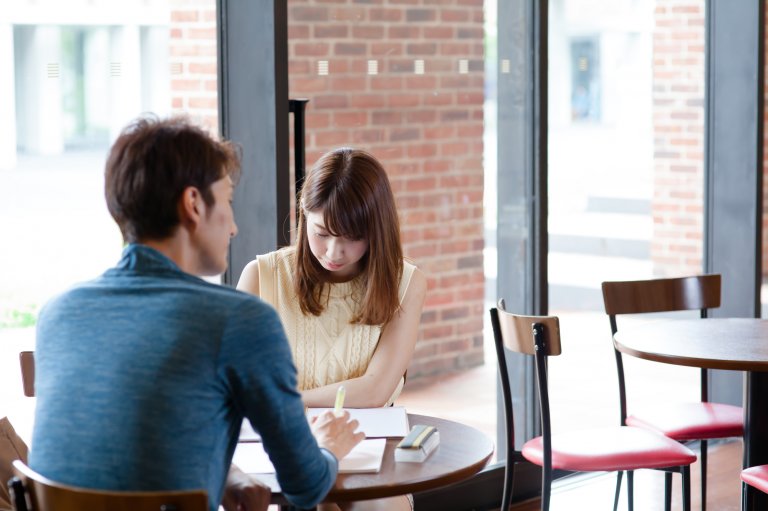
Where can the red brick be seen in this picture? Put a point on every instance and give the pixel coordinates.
(310, 84)
(382, 15)
(311, 49)
(330, 31)
(439, 32)
(308, 13)
(350, 49)
(389, 49)
(348, 14)
(367, 101)
(421, 49)
(403, 100)
(178, 16)
(368, 136)
(367, 32)
(390, 117)
(329, 139)
(350, 119)
(347, 83)
(403, 32)
(386, 83)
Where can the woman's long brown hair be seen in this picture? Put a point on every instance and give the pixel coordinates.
(352, 190)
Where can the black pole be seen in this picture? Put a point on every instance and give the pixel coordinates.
(297, 107)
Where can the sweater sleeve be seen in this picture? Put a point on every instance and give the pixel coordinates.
(256, 363)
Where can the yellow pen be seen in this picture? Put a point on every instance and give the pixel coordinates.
(339, 405)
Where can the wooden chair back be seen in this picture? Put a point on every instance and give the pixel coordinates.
(42, 494)
(662, 295)
(517, 332)
(27, 362)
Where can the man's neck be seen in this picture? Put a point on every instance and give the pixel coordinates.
(178, 250)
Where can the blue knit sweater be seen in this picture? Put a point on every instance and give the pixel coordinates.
(144, 375)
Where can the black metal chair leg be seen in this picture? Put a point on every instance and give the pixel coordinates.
(686, 488)
(509, 475)
(630, 490)
(703, 459)
(667, 491)
(546, 487)
(619, 475)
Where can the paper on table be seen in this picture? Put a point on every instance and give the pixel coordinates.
(391, 421)
(365, 457)
(247, 433)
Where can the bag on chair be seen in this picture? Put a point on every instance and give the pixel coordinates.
(12, 447)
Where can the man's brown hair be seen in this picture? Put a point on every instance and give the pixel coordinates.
(150, 165)
(352, 189)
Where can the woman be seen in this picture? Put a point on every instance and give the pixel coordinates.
(349, 302)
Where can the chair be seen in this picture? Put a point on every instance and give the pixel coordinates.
(32, 492)
(27, 362)
(756, 477)
(685, 422)
(619, 448)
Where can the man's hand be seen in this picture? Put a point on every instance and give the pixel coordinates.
(337, 434)
(244, 493)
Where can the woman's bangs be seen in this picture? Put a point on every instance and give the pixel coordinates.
(344, 217)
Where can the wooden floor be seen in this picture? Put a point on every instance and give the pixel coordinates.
(596, 492)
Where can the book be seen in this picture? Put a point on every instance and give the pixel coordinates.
(390, 421)
(364, 457)
(418, 444)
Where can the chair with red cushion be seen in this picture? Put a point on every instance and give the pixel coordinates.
(756, 477)
(618, 448)
(683, 422)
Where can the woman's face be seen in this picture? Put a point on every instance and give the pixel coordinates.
(340, 256)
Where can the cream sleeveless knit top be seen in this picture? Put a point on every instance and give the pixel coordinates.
(326, 348)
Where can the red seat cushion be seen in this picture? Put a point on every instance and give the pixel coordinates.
(757, 477)
(692, 421)
(610, 449)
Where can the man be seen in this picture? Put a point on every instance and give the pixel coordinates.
(144, 375)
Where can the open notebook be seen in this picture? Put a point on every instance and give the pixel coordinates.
(365, 457)
(391, 421)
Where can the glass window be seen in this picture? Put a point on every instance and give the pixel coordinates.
(73, 75)
(626, 188)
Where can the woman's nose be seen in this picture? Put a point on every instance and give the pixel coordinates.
(335, 249)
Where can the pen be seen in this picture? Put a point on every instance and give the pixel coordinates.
(339, 405)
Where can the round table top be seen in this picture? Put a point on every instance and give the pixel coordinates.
(714, 343)
(463, 451)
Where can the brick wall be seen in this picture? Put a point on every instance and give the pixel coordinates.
(425, 125)
(192, 47)
(678, 121)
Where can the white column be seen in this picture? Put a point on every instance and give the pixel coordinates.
(96, 78)
(7, 99)
(125, 77)
(155, 70)
(39, 106)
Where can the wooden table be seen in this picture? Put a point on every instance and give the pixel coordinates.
(463, 451)
(739, 344)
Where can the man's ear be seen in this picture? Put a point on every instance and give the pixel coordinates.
(191, 207)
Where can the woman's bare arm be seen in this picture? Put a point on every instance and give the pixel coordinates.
(390, 360)
(249, 279)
